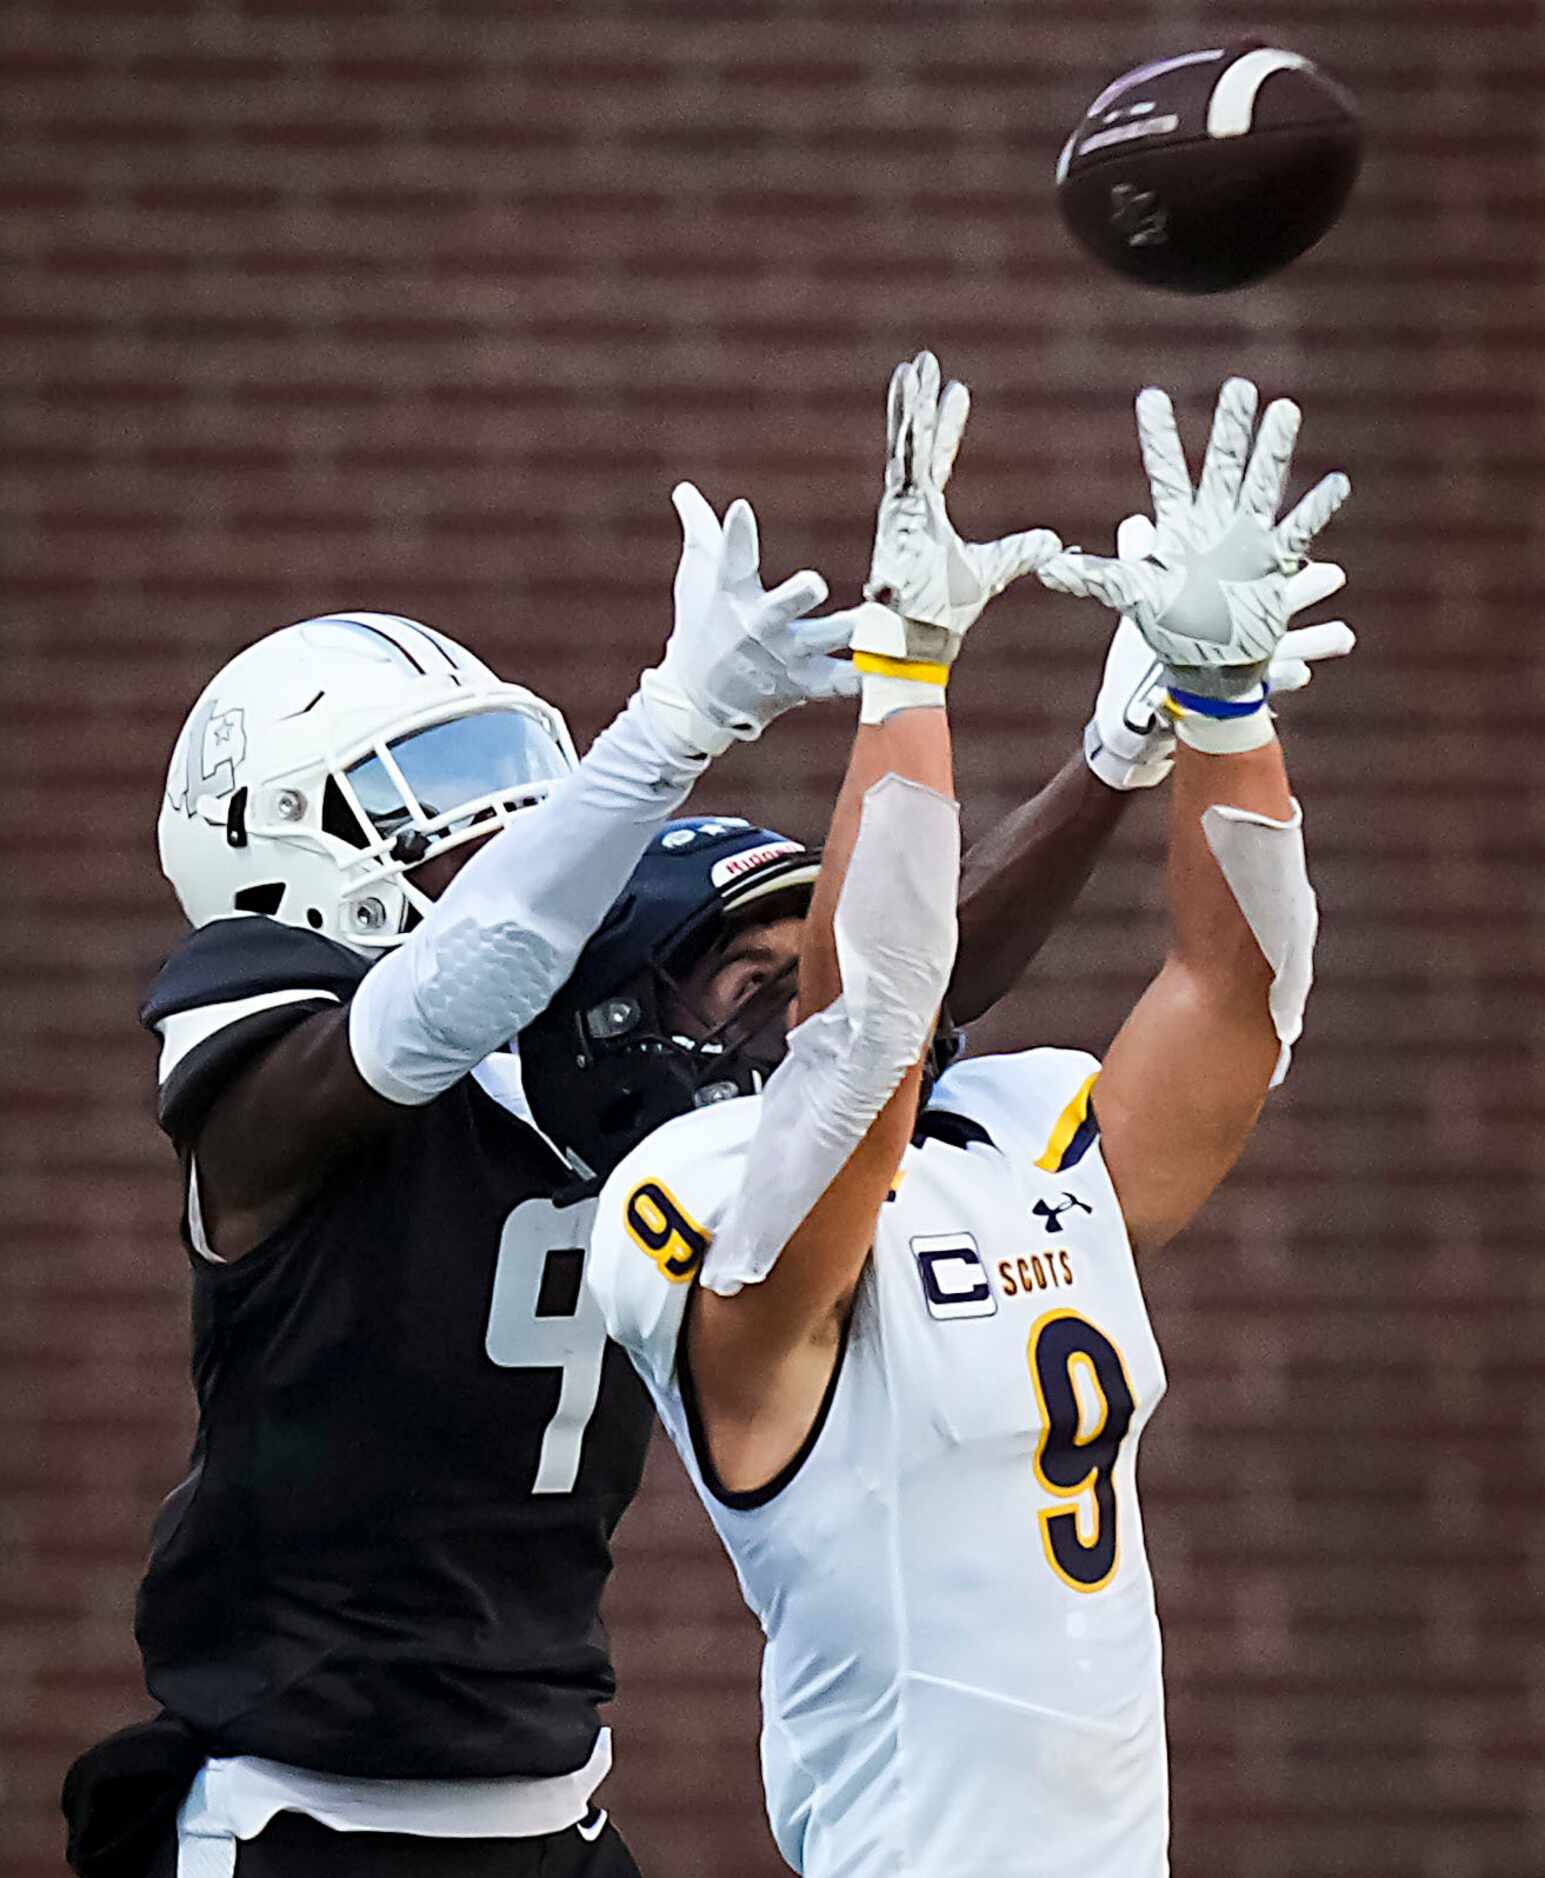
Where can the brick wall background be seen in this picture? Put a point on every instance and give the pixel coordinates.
(423, 305)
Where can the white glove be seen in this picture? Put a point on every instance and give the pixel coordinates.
(1212, 597)
(1129, 743)
(739, 656)
(927, 584)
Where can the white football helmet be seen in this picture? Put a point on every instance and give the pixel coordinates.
(328, 759)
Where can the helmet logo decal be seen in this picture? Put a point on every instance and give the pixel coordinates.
(689, 833)
(734, 865)
(216, 747)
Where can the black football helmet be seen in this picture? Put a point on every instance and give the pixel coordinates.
(603, 1065)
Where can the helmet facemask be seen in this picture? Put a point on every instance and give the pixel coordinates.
(422, 792)
(751, 1039)
(651, 1036)
(609, 1064)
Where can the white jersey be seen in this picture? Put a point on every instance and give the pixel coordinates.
(962, 1674)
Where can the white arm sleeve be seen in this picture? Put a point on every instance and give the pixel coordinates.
(896, 933)
(507, 931)
(1263, 862)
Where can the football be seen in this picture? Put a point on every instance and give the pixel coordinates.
(1210, 170)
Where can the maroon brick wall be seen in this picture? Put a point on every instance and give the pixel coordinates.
(423, 305)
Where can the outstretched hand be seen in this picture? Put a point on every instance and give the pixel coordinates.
(739, 655)
(1130, 740)
(933, 583)
(1214, 592)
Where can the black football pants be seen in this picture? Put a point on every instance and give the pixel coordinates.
(292, 1846)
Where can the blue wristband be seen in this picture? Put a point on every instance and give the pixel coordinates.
(1217, 707)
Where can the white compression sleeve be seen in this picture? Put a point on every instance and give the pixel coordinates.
(506, 933)
(1263, 862)
(896, 933)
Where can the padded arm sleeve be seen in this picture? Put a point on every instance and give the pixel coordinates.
(896, 935)
(507, 931)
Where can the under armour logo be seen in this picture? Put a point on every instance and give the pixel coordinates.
(1053, 1214)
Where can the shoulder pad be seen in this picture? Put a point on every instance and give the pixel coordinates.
(244, 956)
(230, 989)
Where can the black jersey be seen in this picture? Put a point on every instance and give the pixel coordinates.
(414, 1441)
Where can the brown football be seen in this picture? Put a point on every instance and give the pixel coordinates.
(1212, 169)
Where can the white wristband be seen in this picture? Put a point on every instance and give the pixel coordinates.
(1226, 736)
(882, 694)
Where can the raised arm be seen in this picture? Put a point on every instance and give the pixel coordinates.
(875, 956)
(1186, 1077)
(1019, 882)
(506, 931)
(777, 1284)
(1021, 879)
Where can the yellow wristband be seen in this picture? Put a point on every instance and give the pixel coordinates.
(920, 671)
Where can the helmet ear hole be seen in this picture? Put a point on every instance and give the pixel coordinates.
(313, 916)
(264, 899)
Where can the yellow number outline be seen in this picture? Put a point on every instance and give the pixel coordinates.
(1048, 1515)
(672, 1227)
